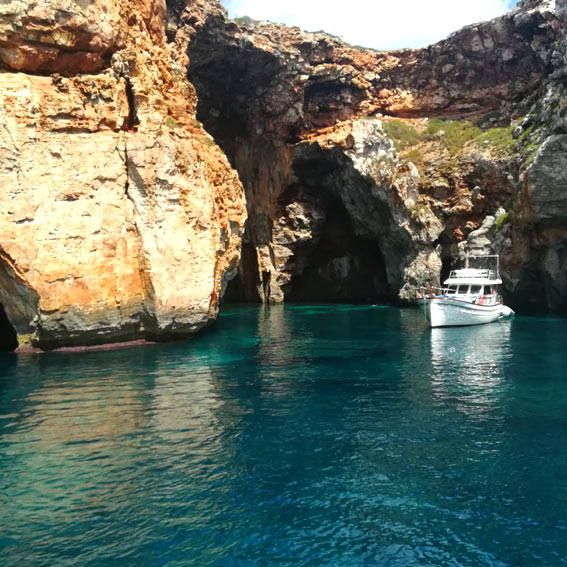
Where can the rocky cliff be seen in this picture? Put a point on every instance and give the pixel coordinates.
(367, 173)
(120, 218)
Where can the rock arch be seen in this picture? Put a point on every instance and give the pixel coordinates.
(19, 305)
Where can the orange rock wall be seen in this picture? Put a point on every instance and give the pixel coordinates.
(120, 218)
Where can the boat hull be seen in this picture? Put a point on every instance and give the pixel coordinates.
(441, 312)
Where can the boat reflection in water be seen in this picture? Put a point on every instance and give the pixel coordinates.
(469, 364)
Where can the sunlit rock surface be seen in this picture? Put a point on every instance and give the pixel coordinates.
(120, 217)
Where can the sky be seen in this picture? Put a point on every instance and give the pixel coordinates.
(381, 24)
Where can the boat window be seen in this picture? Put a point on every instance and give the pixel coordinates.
(451, 289)
(476, 289)
(487, 290)
(464, 289)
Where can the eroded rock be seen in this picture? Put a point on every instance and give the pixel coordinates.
(63, 36)
(297, 115)
(120, 217)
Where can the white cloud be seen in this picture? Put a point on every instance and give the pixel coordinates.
(382, 24)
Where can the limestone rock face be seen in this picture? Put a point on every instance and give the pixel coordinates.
(536, 259)
(63, 36)
(330, 190)
(120, 217)
(546, 183)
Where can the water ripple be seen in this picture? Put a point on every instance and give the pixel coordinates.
(292, 436)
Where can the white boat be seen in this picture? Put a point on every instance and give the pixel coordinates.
(470, 296)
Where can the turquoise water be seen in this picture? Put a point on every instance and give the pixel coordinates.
(292, 436)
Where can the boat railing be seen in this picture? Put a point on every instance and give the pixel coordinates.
(484, 274)
(437, 291)
(447, 293)
(488, 266)
(433, 291)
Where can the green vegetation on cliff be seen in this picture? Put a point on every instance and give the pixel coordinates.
(500, 221)
(171, 123)
(420, 209)
(414, 155)
(402, 133)
(246, 20)
(501, 139)
(452, 134)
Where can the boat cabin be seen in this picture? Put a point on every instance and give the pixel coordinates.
(471, 284)
(466, 289)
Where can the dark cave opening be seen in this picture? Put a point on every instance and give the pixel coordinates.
(449, 255)
(335, 265)
(356, 276)
(8, 335)
(341, 266)
(530, 296)
(317, 252)
(228, 80)
(244, 287)
(237, 100)
(447, 264)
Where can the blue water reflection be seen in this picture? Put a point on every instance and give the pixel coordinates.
(291, 436)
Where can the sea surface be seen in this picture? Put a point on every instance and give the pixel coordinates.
(292, 436)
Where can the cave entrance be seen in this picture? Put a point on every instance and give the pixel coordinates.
(341, 267)
(8, 335)
(448, 259)
(352, 274)
(446, 266)
(244, 287)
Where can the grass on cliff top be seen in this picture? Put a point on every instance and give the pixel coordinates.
(246, 20)
(402, 133)
(500, 139)
(452, 134)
